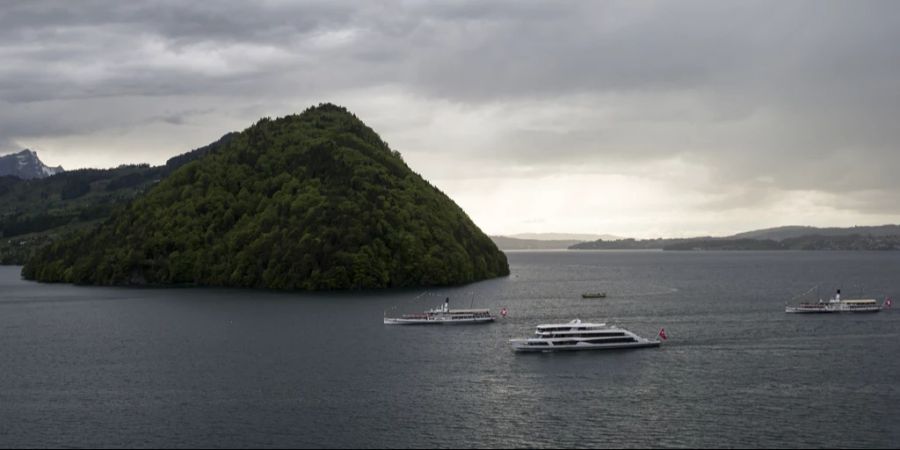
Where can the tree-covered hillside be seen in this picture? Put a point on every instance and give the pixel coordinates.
(35, 212)
(310, 201)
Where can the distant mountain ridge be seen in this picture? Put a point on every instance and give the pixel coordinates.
(509, 243)
(850, 242)
(795, 231)
(564, 237)
(26, 165)
(882, 237)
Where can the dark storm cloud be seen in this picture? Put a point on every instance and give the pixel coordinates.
(478, 51)
(802, 95)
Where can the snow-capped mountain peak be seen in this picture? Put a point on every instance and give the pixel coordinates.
(26, 165)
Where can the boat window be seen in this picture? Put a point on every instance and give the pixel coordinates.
(611, 340)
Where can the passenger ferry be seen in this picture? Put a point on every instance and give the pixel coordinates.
(577, 335)
(868, 305)
(837, 305)
(443, 315)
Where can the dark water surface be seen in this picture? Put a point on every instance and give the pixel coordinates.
(109, 367)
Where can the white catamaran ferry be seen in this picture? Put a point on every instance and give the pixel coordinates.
(577, 335)
(442, 315)
(838, 305)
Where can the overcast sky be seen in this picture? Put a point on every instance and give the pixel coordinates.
(633, 118)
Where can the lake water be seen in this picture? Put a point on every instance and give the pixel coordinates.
(111, 367)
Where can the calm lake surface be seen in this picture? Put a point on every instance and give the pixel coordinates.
(111, 367)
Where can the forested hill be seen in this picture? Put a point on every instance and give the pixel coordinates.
(34, 212)
(310, 201)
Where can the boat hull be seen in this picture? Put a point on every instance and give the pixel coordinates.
(521, 345)
(829, 310)
(401, 321)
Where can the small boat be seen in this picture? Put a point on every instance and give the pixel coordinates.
(577, 335)
(443, 315)
(838, 305)
(594, 295)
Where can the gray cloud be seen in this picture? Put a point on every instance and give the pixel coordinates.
(768, 96)
(8, 146)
